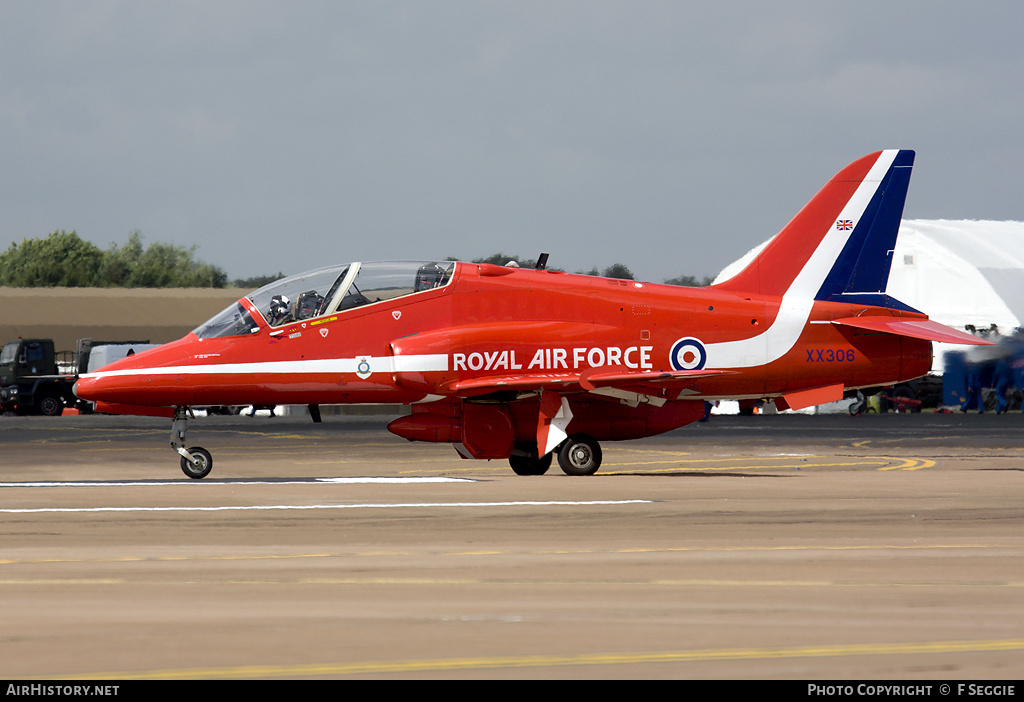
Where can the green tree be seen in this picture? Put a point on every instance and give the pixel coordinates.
(689, 281)
(256, 281)
(120, 262)
(618, 270)
(62, 259)
(159, 265)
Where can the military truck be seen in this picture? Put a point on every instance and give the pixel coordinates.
(35, 379)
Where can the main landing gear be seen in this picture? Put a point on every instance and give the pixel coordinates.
(196, 462)
(525, 461)
(580, 454)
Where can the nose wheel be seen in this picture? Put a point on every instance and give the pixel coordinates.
(196, 462)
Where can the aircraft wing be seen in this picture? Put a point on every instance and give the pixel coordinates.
(916, 328)
(638, 381)
(654, 379)
(520, 383)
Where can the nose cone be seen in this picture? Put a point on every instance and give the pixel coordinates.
(150, 378)
(104, 387)
(85, 388)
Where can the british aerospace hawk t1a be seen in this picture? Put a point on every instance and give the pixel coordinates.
(528, 364)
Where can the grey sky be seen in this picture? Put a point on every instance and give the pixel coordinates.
(668, 136)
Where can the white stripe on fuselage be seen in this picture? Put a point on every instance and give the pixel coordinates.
(378, 364)
(776, 341)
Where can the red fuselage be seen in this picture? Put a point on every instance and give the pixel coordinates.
(497, 322)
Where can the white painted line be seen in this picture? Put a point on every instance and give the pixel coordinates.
(394, 480)
(313, 481)
(367, 505)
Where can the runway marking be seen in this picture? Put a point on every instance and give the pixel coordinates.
(231, 482)
(366, 505)
(806, 461)
(909, 465)
(730, 463)
(557, 660)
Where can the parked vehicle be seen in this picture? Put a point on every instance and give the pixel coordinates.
(36, 379)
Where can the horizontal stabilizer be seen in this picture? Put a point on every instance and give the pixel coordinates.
(915, 328)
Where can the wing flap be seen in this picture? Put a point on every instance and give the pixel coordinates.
(915, 328)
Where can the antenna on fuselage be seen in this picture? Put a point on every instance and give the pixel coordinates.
(542, 262)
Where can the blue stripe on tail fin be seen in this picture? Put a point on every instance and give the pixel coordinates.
(861, 272)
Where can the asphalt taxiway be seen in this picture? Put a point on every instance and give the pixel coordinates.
(766, 547)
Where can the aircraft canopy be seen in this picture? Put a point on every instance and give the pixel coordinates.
(326, 291)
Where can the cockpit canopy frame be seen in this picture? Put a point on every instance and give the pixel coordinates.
(328, 290)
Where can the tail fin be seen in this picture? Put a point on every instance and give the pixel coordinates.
(840, 244)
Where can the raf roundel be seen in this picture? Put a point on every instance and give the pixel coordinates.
(363, 369)
(688, 354)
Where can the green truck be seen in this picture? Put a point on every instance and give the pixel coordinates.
(36, 379)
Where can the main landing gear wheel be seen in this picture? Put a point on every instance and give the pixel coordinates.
(530, 464)
(198, 464)
(580, 454)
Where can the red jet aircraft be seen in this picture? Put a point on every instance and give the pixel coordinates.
(523, 364)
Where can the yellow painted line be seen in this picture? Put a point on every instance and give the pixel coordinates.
(803, 465)
(911, 464)
(556, 660)
(808, 461)
(507, 552)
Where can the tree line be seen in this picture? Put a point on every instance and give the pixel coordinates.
(64, 259)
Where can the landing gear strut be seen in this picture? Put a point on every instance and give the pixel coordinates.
(196, 462)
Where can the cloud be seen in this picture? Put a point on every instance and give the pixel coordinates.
(667, 136)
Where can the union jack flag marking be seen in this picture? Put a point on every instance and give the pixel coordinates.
(844, 224)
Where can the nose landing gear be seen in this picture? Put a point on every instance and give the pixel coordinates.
(196, 462)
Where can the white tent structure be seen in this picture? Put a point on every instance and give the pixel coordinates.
(959, 272)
